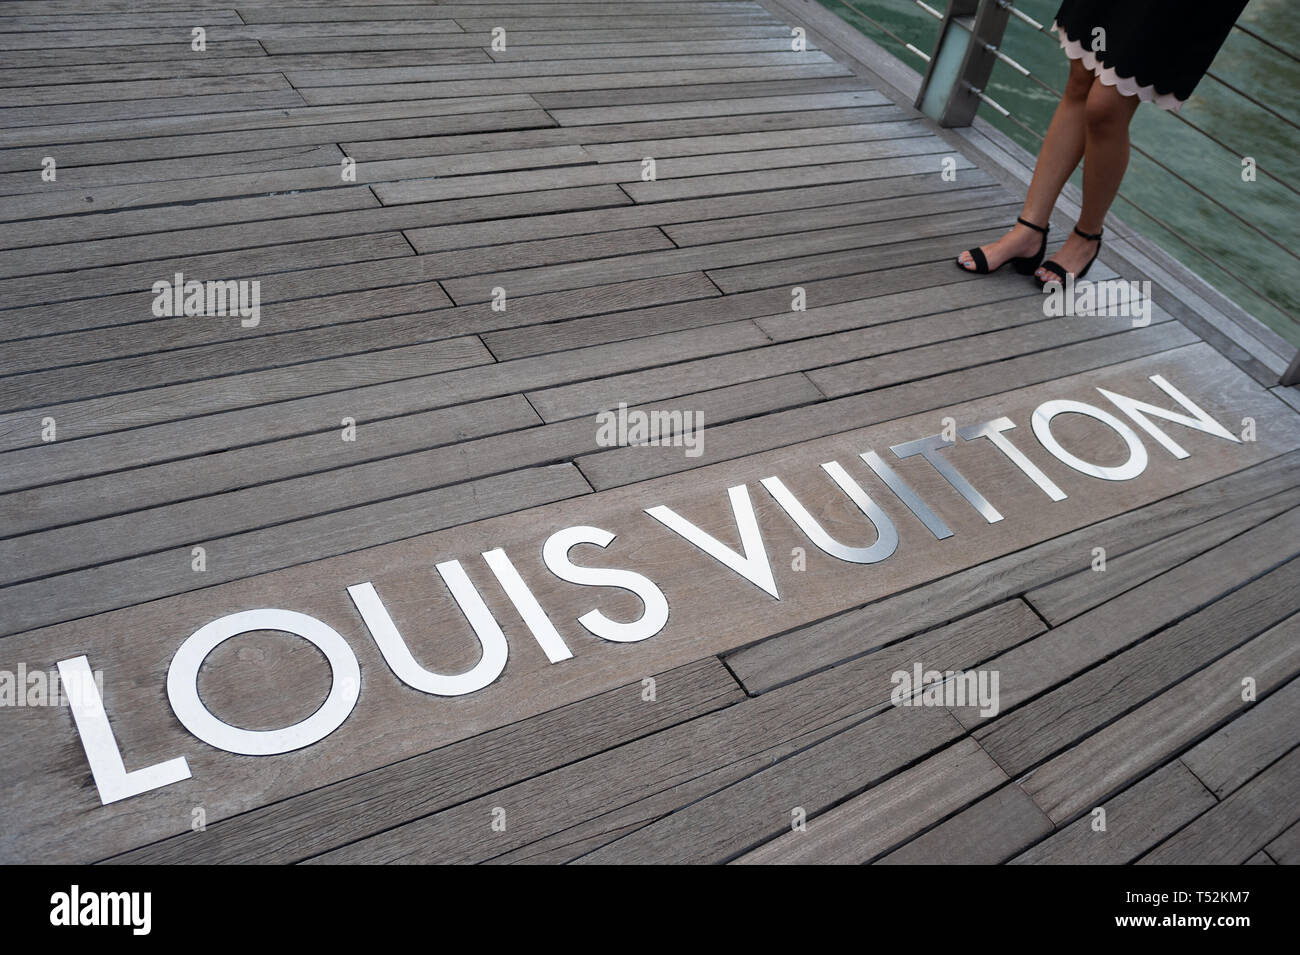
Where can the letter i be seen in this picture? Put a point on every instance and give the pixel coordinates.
(529, 609)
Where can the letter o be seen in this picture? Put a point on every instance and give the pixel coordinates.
(183, 683)
(1137, 452)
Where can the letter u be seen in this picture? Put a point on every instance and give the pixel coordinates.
(886, 533)
(398, 655)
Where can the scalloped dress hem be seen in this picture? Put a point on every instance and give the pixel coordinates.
(1127, 85)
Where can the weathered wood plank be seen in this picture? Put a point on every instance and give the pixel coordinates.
(614, 468)
(69, 502)
(324, 176)
(61, 286)
(1089, 701)
(141, 90)
(375, 145)
(867, 681)
(336, 95)
(313, 13)
(930, 290)
(363, 805)
(598, 115)
(983, 330)
(485, 131)
(925, 161)
(250, 162)
(859, 753)
(1285, 849)
(1077, 779)
(610, 32)
(101, 450)
(1241, 825)
(264, 119)
(86, 177)
(608, 64)
(258, 501)
(258, 387)
(32, 68)
(888, 813)
(988, 832)
(29, 117)
(516, 51)
(392, 309)
(178, 37)
(870, 210)
(1070, 596)
(702, 167)
(1237, 752)
(659, 95)
(20, 24)
(1136, 819)
(397, 384)
(806, 245)
(667, 213)
(91, 378)
(233, 557)
(630, 148)
(127, 335)
(517, 123)
(584, 23)
(64, 56)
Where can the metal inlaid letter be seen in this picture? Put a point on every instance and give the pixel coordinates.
(907, 495)
(111, 778)
(398, 655)
(1199, 419)
(530, 610)
(183, 678)
(993, 431)
(886, 534)
(1137, 452)
(555, 553)
(751, 563)
(929, 447)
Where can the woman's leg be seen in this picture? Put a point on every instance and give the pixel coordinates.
(1060, 153)
(1108, 113)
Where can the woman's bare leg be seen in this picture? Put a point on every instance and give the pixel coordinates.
(1061, 151)
(1108, 114)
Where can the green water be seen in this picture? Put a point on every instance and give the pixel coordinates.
(1222, 245)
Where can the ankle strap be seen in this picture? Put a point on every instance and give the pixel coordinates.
(1085, 235)
(1037, 228)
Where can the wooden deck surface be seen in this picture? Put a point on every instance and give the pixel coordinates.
(128, 440)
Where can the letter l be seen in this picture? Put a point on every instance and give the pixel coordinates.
(111, 778)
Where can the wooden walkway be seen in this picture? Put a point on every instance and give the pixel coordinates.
(435, 339)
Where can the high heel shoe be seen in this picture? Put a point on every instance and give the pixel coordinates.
(1055, 268)
(1024, 264)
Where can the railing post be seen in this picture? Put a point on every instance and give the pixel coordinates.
(963, 59)
(1292, 376)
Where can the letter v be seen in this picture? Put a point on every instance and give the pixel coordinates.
(753, 564)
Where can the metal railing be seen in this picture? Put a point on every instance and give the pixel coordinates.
(967, 46)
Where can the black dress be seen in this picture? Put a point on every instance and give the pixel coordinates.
(1157, 50)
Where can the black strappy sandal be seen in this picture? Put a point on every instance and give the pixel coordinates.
(1055, 267)
(1024, 264)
